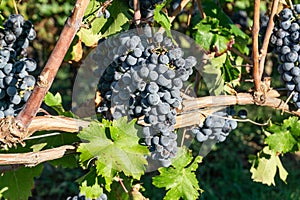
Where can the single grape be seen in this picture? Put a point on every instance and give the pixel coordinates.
(242, 113)
(152, 87)
(130, 60)
(158, 37)
(163, 59)
(201, 137)
(286, 14)
(153, 99)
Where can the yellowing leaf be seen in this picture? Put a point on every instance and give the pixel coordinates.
(265, 167)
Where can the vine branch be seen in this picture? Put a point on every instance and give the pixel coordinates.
(255, 31)
(49, 72)
(202, 13)
(137, 12)
(31, 159)
(263, 51)
(193, 113)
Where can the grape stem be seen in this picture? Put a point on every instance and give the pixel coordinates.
(31, 159)
(263, 51)
(246, 58)
(202, 13)
(15, 7)
(49, 72)
(137, 12)
(255, 32)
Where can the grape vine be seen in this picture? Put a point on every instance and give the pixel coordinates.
(143, 112)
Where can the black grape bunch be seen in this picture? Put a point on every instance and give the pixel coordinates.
(16, 83)
(285, 39)
(216, 126)
(143, 77)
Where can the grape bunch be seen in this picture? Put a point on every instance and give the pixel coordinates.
(147, 7)
(215, 127)
(16, 83)
(285, 39)
(82, 197)
(143, 76)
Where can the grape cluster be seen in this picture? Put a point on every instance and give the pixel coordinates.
(143, 78)
(215, 127)
(285, 39)
(16, 83)
(82, 197)
(147, 7)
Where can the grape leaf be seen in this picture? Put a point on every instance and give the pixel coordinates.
(115, 147)
(229, 72)
(265, 166)
(75, 51)
(19, 182)
(118, 20)
(55, 102)
(93, 191)
(281, 142)
(212, 74)
(51, 100)
(180, 179)
(162, 18)
(203, 33)
(88, 37)
(285, 137)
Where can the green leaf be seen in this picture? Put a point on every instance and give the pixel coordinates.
(88, 37)
(212, 74)
(265, 167)
(221, 43)
(281, 142)
(237, 32)
(93, 191)
(162, 18)
(203, 34)
(180, 179)
(285, 137)
(55, 102)
(69, 161)
(212, 10)
(115, 147)
(229, 72)
(119, 19)
(19, 182)
(51, 100)
(38, 147)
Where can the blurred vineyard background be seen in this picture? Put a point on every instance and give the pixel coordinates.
(224, 173)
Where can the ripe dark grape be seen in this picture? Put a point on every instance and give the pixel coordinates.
(285, 40)
(16, 83)
(145, 81)
(215, 127)
(242, 114)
